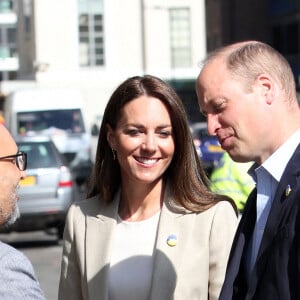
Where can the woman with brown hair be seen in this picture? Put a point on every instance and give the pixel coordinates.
(150, 228)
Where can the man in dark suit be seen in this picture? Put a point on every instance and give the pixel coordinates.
(247, 91)
(17, 278)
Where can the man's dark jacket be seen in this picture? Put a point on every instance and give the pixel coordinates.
(276, 274)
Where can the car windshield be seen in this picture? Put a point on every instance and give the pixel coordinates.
(69, 121)
(39, 155)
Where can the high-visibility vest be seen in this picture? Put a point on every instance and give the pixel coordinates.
(232, 179)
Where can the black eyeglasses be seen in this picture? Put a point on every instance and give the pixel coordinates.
(20, 158)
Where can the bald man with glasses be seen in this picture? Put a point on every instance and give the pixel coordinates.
(17, 278)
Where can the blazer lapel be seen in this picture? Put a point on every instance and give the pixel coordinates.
(172, 237)
(99, 234)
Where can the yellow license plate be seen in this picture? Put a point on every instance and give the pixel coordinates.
(215, 148)
(28, 181)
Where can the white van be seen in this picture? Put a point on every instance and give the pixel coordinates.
(58, 113)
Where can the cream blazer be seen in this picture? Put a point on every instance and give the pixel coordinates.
(192, 269)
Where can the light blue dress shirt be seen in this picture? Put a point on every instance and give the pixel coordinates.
(267, 177)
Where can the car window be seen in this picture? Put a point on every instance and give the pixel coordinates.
(40, 121)
(39, 155)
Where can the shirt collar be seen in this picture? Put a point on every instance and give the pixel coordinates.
(277, 162)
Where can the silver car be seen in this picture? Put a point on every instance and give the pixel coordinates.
(48, 189)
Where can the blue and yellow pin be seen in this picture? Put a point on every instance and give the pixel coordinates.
(172, 240)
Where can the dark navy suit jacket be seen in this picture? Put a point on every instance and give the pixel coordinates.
(276, 274)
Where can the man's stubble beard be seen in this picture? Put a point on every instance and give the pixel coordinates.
(13, 217)
(10, 219)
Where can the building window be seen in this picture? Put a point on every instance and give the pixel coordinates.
(8, 42)
(286, 38)
(6, 6)
(91, 34)
(180, 37)
(292, 39)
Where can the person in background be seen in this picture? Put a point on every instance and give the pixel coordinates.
(247, 91)
(232, 179)
(150, 228)
(17, 278)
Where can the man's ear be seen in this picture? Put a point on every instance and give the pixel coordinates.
(266, 86)
(110, 136)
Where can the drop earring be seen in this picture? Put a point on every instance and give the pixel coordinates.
(113, 154)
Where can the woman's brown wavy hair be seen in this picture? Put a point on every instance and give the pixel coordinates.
(185, 175)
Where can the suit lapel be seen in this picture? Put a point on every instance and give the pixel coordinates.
(235, 285)
(168, 258)
(99, 235)
(239, 254)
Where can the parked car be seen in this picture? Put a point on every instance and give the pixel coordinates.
(48, 189)
(60, 114)
(208, 147)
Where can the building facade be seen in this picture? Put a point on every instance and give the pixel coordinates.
(284, 19)
(276, 22)
(93, 45)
